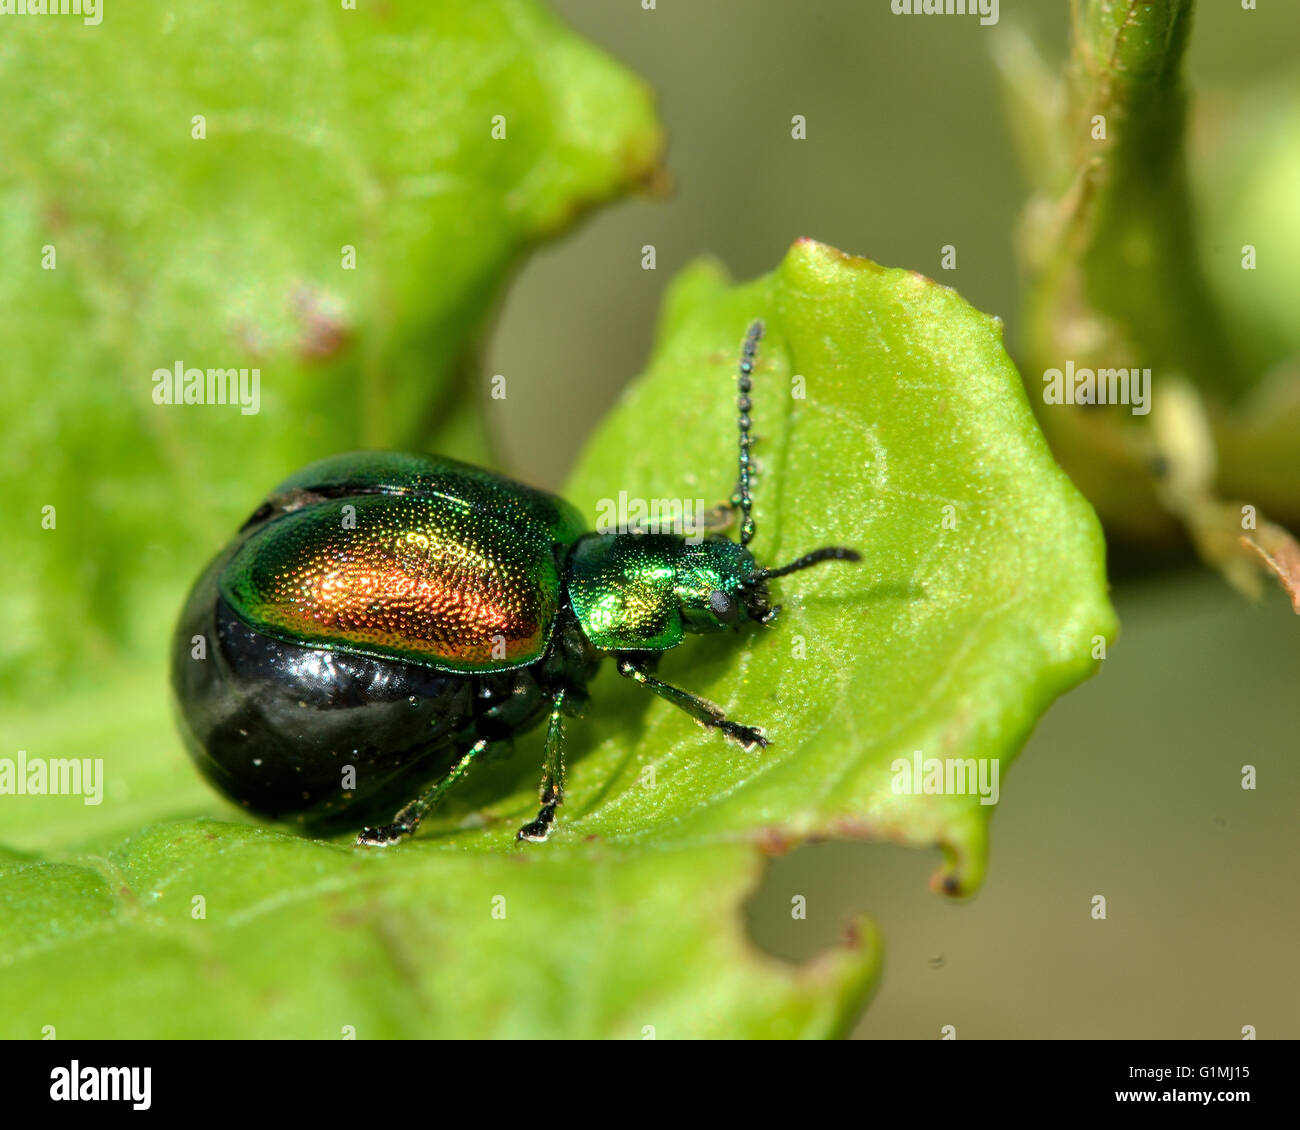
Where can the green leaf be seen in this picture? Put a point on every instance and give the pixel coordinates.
(265, 935)
(979, 599)
(324, 129)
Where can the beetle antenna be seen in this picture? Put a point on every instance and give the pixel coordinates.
(743, 405)
(830, 553)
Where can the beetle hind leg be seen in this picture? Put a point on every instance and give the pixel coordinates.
(408, 819)
(551, 793)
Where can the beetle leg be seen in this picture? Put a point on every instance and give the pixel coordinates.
(701, 710)
(552, 790)
(408, 819)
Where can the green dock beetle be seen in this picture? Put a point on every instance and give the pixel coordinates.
(382, 620)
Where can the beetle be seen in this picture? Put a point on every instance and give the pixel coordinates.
(384, 620)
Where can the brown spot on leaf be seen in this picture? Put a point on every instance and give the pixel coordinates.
(773, 841)
(323, 330)
(312, 323)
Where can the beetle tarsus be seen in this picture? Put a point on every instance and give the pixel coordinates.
(385, 835)
(750, 737)
(538, 830)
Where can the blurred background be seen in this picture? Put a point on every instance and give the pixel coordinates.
(1131, 787)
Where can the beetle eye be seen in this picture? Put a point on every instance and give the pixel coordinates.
(722, 606)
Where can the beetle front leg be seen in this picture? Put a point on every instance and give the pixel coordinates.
(551, 793)
(408, 819)
(700, 709)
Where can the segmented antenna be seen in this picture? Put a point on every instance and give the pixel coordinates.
(816, 557)
(743, 405)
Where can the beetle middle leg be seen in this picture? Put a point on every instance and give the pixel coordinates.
(552, 790)
(408, 819)
(701, 710)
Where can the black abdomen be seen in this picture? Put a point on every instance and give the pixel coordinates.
(276, 725)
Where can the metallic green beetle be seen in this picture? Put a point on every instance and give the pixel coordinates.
(383, 620)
